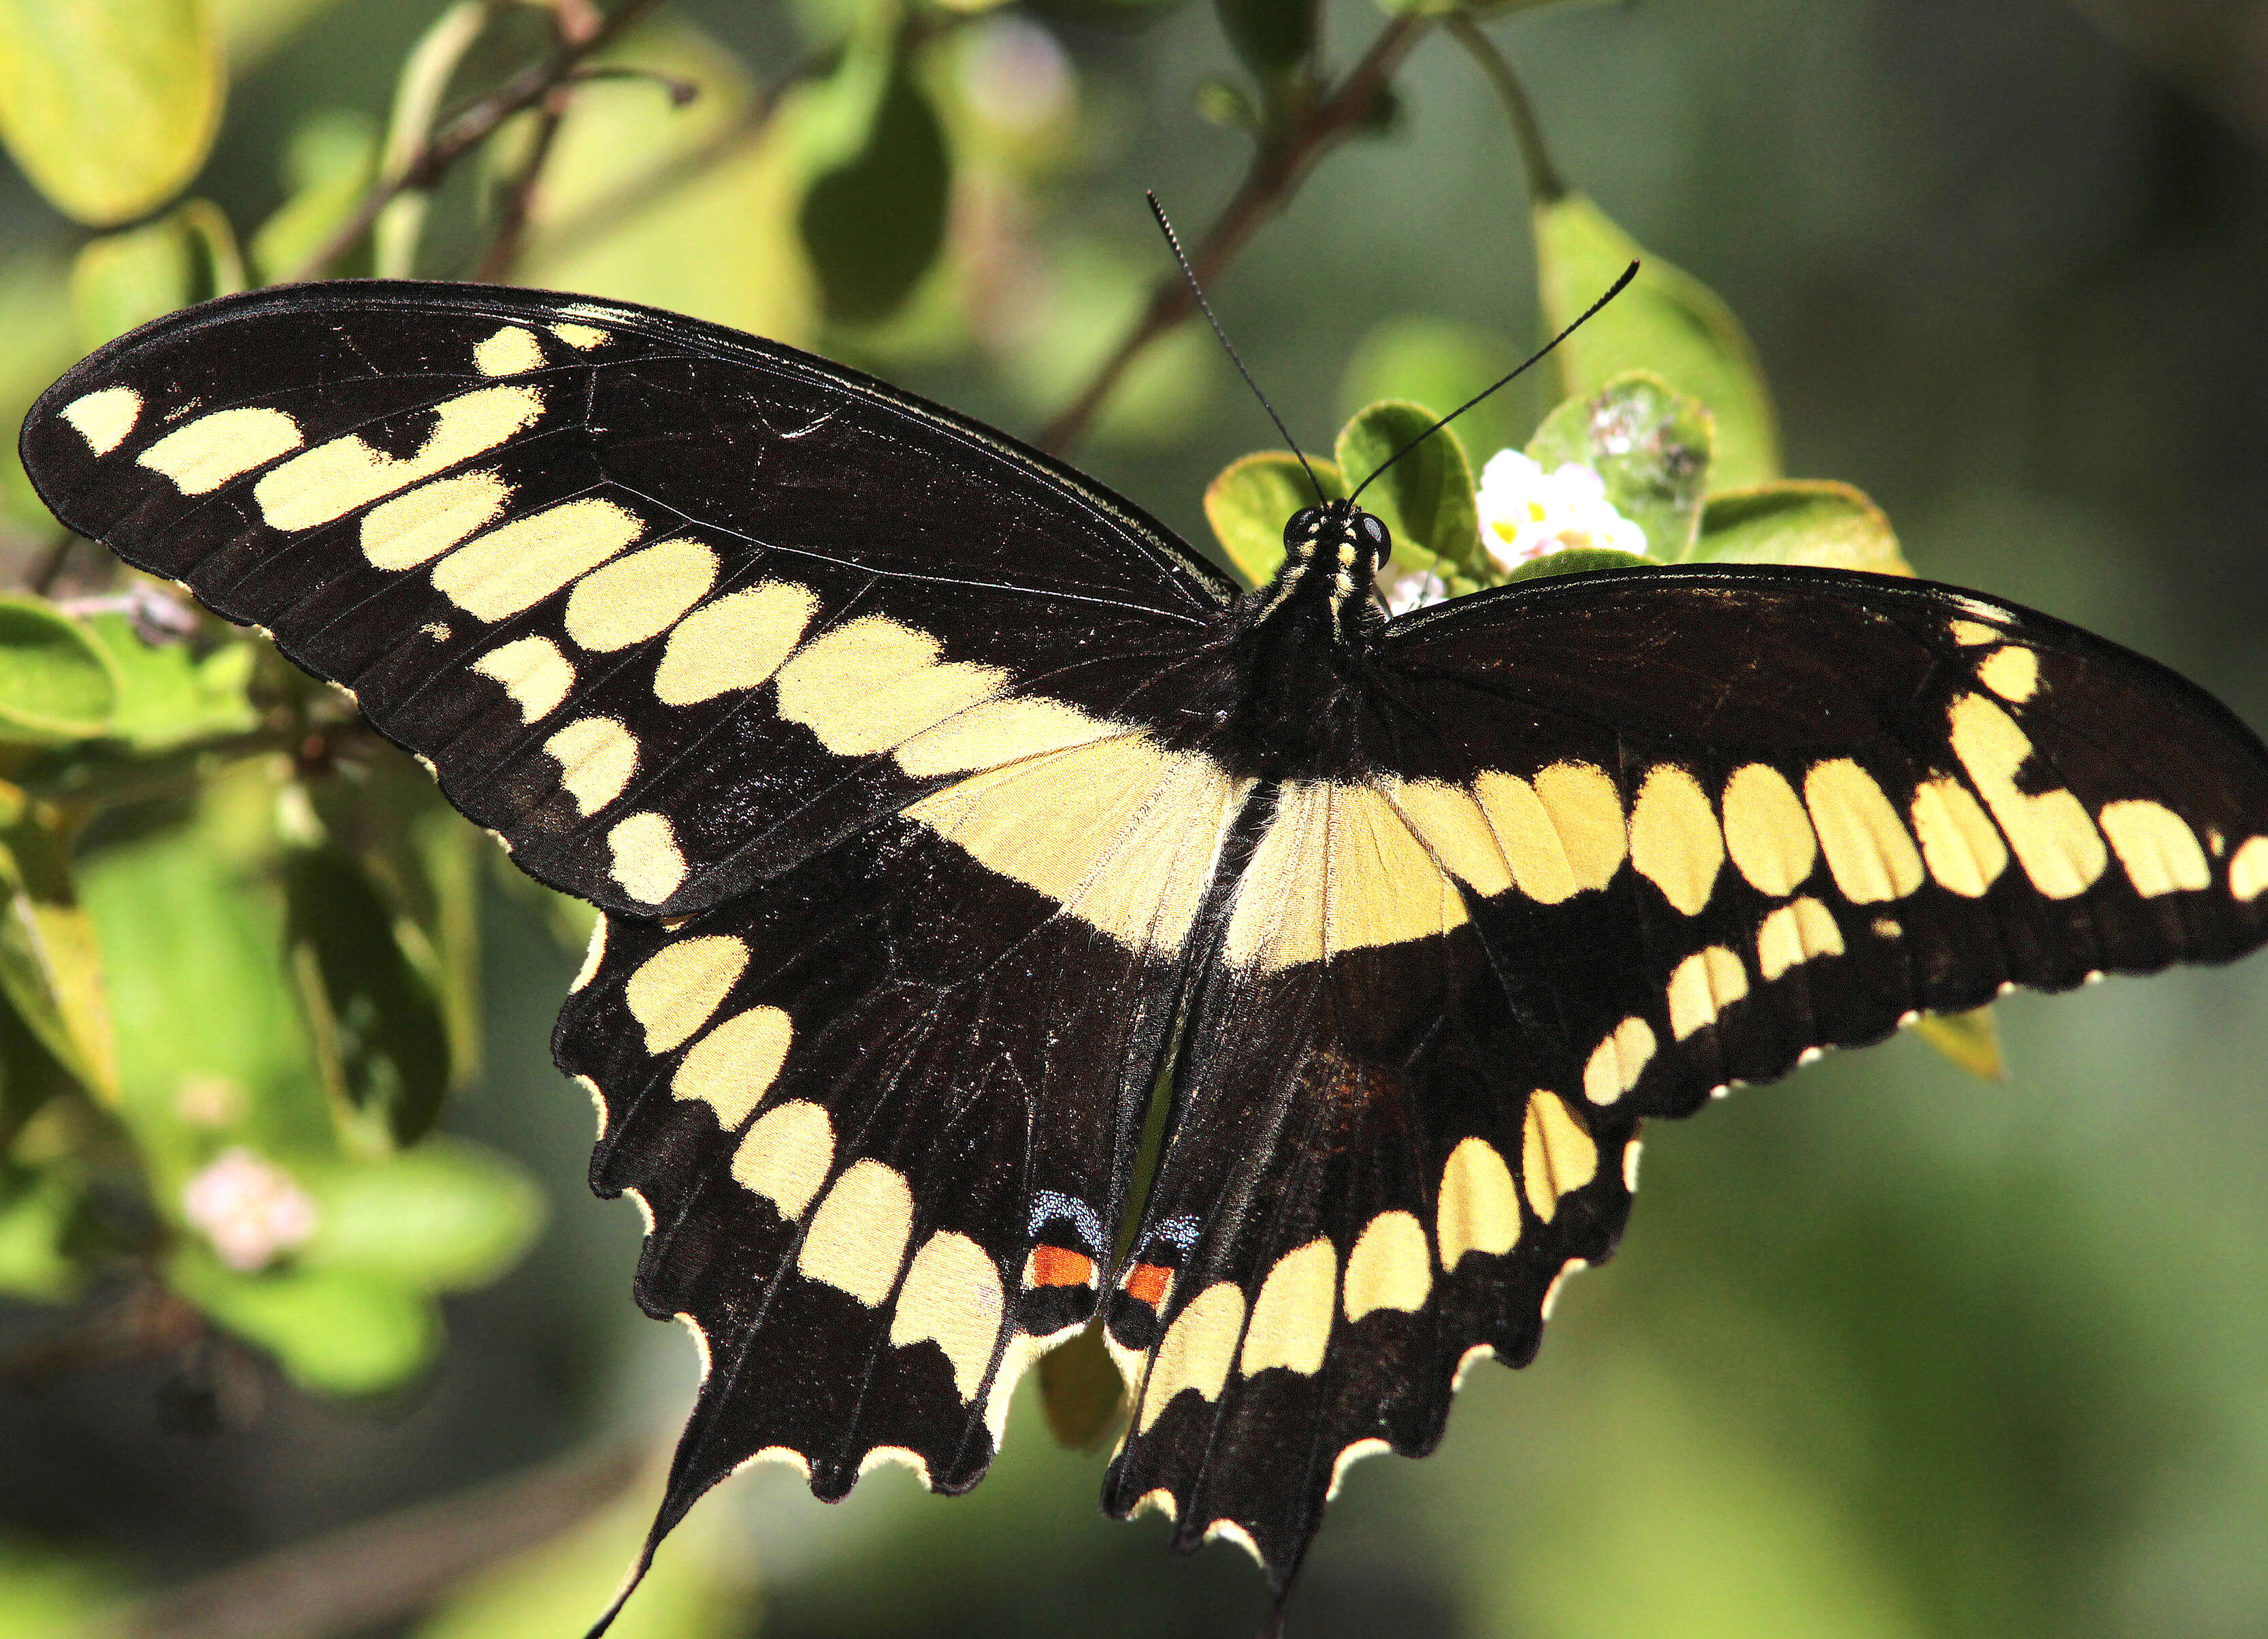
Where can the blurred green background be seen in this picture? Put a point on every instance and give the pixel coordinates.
(1889, 1351)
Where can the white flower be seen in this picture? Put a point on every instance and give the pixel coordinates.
(1526, 513)
(251, 1210)
(1405, 587)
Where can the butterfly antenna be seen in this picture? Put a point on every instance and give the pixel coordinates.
(1205, 308)
(1615, 289)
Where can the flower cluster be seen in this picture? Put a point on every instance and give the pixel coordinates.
(250, 1209)
(1526, 513)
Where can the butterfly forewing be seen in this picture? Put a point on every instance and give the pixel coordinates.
(663, 605)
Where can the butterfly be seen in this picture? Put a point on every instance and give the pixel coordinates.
(941, 805)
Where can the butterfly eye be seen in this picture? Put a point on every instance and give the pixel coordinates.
(1304, 525)
(1381, 543)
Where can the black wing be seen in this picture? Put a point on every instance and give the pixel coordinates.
(666, 608)
(867, 726)
(1626, 840)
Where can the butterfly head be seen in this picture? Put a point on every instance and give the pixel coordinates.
(1339, 530)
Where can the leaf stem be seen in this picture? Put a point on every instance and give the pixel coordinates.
(1278, 168)
(421, 168)
(1544, 185)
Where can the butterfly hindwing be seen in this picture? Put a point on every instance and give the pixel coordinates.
(666, 607)
(1625, 839)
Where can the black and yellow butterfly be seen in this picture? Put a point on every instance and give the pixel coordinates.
(937, 800)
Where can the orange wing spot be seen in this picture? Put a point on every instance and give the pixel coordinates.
(1053, 1266)
(1147, 1283)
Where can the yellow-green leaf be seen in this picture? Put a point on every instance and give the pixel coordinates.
(1426, 497)
(1970, 1040)
(334, 1330)
(1652, 446)
(56, 683)
(51, 967)
(329, 165)
(443, 1217)
(109, 105)
(1254, 498)
(1667, 321)
(1440, 362)
(1799, 520)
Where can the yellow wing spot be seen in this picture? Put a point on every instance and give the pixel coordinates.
(1336, 870)
(1970, 634)
(510, 351)
(1887, 927)
(331, 480)
(581, 337)
(1867, 848)
(1572, 1267)
(1122, 833)
(104, 419)
(2157, 847)
(674, 989)
(1702, 988)
(996, 731)
(1291, 1316)
(735, 643)
(517, 564)
(1450, 824)
(593, 953)
(1961, 845)
(640, 594)
(730, 1068)
(1390, 1267)
(534, 673)
(1349, 1455)
(871, 684)
(2247, 870)
(858, 1235)
(1557, 1155)
(1795, 933)
(1478, 1211)
(1766, 831)
(1674, 840)
(1195, 1351)
(2013, 673)
(201, 455)
(2054, 840)
(418, 527)
(1587, 812)
(1629, 1164)
(951, 1297)
(1618, 1060)
(785, 1156)
(596, 757)
(647, 861)
(897, 1457)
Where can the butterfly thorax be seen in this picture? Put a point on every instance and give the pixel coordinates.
(1301, 644)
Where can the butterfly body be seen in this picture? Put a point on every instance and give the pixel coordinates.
(939, 801)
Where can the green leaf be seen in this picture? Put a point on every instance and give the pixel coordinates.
(1440, 362)
(444, 1217)
(36, 344)
(36, 1212)
(334, 1330)
(1254, 498)
(1579, 560)
(873, 226)
(56, 683)
(1799, 520)
(109, 105)
(169, 694)
(1272, 37)
(124, 280)
(1667, 321)
(646, 201)
(377, 1023)
(51, 968)
(1081, 1390)
(1970, 1040)
(1426, 497)
(330, 164)
(213, 1046)
(1651, 445)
